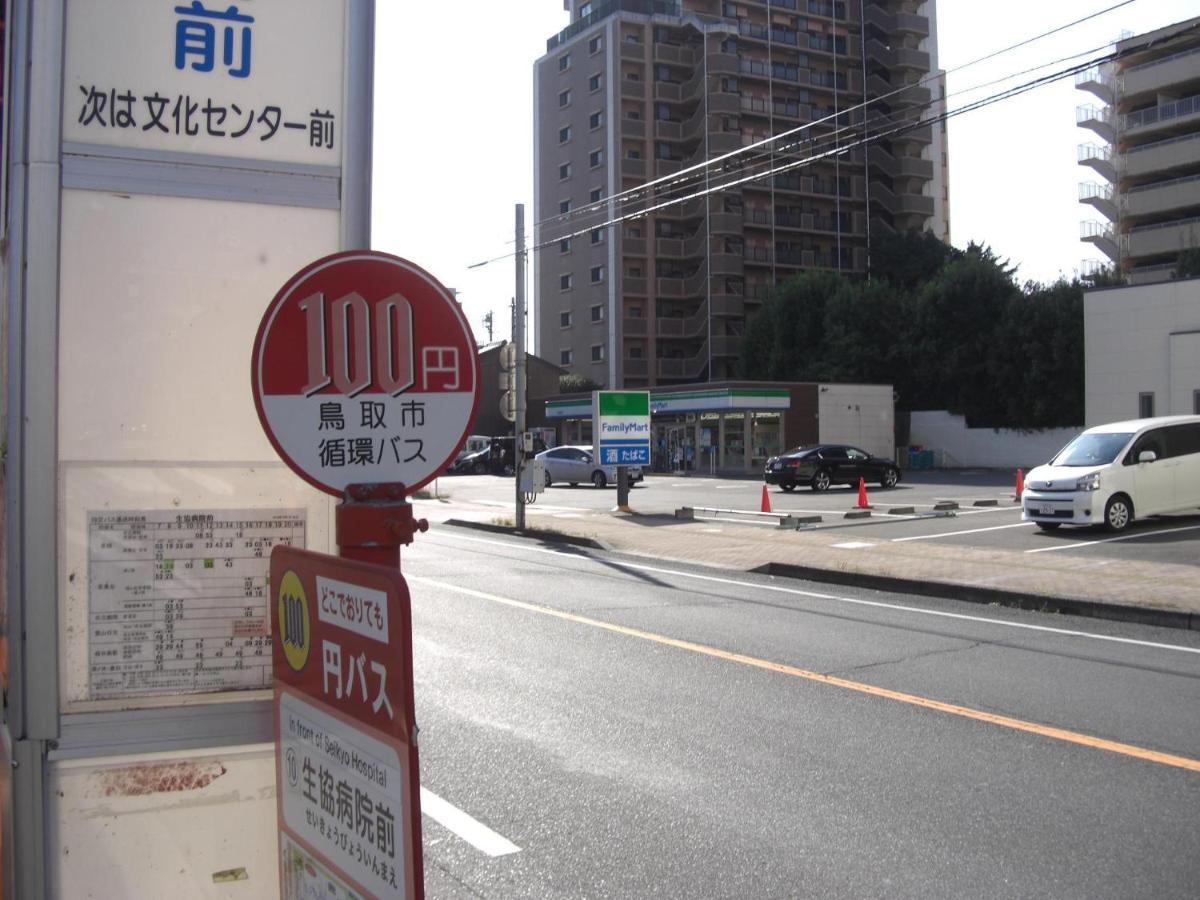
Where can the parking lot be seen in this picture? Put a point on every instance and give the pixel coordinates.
(986, 515)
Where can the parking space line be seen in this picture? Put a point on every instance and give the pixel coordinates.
(930, 537)
(470, 830)
(1121, 537)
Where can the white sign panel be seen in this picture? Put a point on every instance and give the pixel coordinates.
(256, 79)
(342, 795)
(177, 599)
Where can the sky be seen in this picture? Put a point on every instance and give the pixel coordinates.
(453, 133)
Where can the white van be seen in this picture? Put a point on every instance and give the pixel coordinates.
(1112, 473)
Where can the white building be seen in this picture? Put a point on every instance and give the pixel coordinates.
(1142, 351)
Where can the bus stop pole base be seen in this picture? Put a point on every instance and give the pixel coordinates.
(373, 521)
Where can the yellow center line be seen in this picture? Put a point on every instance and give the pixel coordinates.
(965, 712)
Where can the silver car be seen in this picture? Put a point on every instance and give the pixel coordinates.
(576, 464)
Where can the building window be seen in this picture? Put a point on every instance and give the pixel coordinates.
(564, 134)
(635, 312)
(597, 273)
(597, 313)
(1146, 405)
(635, 352)
(564, 246)
(564, 171)
(596, 119)
(596, 195)
(564, 320)
(595, 44)
(595, 158)
(633, 154)
(564, 357)
(564, 62)
(564, 282)
(564, 98)
(564, 207)
(595, 82)
(597, 353)
(597, 235)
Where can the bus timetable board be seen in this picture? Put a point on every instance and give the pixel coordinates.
(345, 750)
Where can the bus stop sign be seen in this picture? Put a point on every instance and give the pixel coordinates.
(365, 371)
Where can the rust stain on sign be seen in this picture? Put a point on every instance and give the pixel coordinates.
(159, 778)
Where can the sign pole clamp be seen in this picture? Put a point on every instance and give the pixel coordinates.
(373, 521)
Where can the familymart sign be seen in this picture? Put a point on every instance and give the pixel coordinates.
(621, 424)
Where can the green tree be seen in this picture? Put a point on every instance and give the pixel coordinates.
(909, 260)
(576, 384)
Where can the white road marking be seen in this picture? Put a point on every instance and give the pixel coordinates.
(930, 537)
(473, 832)
(853, 601)
(1124, 537)
(853, 545)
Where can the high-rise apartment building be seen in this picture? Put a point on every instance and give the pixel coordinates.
(635, 91)
(1150, 155)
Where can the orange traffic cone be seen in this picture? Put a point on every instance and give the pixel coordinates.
(862, 494)
(766, 500)
(1020, 484)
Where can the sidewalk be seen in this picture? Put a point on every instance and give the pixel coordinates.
(1151, 593)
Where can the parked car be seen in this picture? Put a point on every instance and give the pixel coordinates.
(477, 463)
(576, 464)
(1111, 474)
(822, 465)
(496, 457)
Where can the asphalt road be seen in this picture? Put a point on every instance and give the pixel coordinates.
(987, 515)
(621, 728)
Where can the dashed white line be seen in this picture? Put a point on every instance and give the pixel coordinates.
(930, 537)
(470, 830)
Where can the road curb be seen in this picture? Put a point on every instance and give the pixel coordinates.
(1090, 609)
(554, 537)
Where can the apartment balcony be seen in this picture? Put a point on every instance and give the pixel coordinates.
(914, 205)
(897, 57)
(631, 327)
(1152, 274)
(664, 167)
(634, 286)
(692, 326)
(1102, 236)
(1161, 157)
(722, 142)
(1165, 238)
(633, 52)
(638, 367)
(1101, 197)
(1178, 118)
(1161, 74)
(899, 166)
(1098, 81)
(687, 368)
(673, 53)
(1099, 119)
(1098, 158)
(725, 264)
(671, 248)
(668, 92)
(1163, 197)
(635, 90)
(633, 168)
(633, 246)
(633, 128)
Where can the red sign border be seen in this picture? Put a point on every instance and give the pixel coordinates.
(284, 294)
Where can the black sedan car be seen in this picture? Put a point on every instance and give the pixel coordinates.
(821, 465)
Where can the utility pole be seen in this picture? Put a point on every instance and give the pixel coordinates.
(518, 339)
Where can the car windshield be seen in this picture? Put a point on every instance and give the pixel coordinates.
(1092, 449)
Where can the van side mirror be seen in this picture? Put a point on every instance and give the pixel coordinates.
(1147, 456)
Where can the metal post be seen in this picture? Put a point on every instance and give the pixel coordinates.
(518, 337)
(373, 521)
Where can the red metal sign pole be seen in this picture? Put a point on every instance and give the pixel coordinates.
(373, 521)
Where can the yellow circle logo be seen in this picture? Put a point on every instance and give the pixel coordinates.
(295, 631)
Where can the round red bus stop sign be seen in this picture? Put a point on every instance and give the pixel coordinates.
(365, 372)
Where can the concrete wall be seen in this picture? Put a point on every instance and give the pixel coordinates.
(858, 414)
(955, 445)
(1143, 339)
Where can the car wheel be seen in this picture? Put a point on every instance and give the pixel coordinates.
(788, 486)
(1118, 513)
(1048, 526)
(479, 469)
(820, 480)
(509, 471)
(889, 478)
(598, 479)
(549, 480)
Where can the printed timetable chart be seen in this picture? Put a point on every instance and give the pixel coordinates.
(177, 600)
